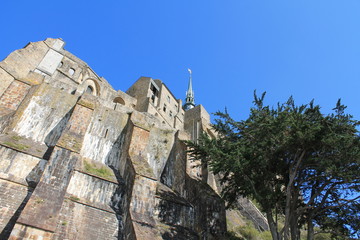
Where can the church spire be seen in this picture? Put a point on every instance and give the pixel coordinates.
(189, 100)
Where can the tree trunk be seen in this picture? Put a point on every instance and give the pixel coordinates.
(272, 225)
(294, 218)
(286, 229)
(310, 231)
(294, 228)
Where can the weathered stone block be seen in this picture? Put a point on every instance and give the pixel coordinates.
(82, 222)
(43, 208)
(172, 209)
(73, 135)
(5, 80)
(72, 70)
(23, 144)
(81, 189)
(19, 167)
(50, 62)
(33, 78)
(13, 198)
(21, 61)
(158, 149)
(44, 114)
(105, 136)
(56, 44)
(26, 232)
(14, 94)
(137, 154)
(174, 172)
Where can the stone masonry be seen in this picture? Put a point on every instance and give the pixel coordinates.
(80, 160)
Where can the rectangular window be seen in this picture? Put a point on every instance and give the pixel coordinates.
(168, 97)
(170, 114)
(153, 89)
(164, 108)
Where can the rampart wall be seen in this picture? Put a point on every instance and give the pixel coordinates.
(77, 161)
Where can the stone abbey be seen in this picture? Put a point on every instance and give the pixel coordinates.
(80, 160)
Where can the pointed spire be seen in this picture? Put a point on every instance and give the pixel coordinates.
(189, 100)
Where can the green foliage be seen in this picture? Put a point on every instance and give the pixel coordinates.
(265, 235)
(102, 172)
(249, 232)
(14, 143)
(323, 236)
(73, 198)
(39, 200)
(232, 236)
(293, 161)
(16, 138)
(18, 146)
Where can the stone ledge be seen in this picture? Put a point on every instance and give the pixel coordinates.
(22, 144)
(15, 183)
(82, 201)
(70, 141)
(81, 170)
(165, 193)
(33, 78)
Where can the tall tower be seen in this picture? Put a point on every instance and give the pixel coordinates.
(189, 100)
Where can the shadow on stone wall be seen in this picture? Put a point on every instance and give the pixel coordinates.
(211, 208)
(53, 137)
(117, 199)
(179, 233)
(10, 225)
(34, 176)
(192, 208)
(120, 198)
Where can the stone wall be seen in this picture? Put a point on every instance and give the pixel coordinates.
(78, 165)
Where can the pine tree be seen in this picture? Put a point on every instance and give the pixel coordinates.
(294, 161)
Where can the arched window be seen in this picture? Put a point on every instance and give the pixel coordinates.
(119, 100)
(90, 86)
(89, 90)
(71, 71)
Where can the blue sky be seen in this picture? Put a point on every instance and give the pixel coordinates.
(305, 48)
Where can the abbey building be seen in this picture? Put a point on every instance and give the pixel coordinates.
(81, 160)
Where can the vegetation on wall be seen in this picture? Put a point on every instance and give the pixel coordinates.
(101, 171)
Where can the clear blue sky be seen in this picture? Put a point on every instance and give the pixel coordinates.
(305, 48)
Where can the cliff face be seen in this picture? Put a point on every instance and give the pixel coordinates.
(77, 161)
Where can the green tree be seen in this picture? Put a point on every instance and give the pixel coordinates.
(294, 161)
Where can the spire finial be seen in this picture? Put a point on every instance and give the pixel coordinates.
(189, 100)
